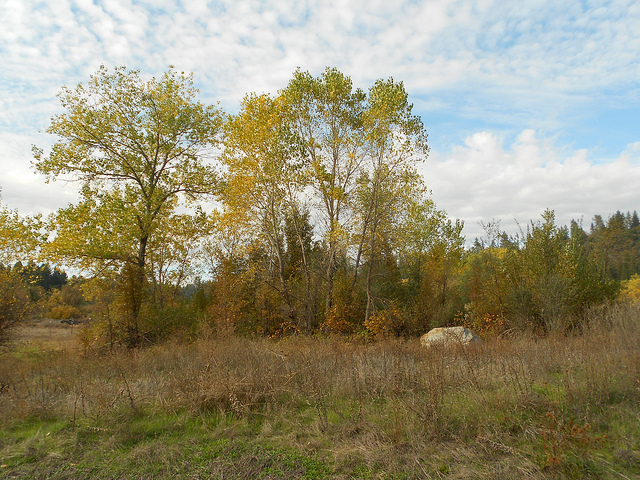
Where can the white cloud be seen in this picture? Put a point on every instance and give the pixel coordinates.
(20, 186)
(483, 180)
(509, 46)
(492, 67)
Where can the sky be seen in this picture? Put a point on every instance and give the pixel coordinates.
(529, 105)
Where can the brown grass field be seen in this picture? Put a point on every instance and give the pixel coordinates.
(563, 406)
(47, 333)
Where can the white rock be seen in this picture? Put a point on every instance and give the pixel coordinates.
(449, 336)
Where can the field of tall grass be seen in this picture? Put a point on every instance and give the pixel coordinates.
(563, 406)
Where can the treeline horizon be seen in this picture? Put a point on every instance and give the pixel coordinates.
(472, 298)
(324, 224)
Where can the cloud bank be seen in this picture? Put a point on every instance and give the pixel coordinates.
(484, 180)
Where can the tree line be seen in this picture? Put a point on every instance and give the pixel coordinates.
(322, 222)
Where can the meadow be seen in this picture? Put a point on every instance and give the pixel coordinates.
(223, 406)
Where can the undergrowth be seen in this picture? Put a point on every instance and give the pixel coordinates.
(524, 407)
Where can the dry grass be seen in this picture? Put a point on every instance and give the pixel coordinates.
(47, 333)
(526, 407)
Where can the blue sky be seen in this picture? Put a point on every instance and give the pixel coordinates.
(529, 105)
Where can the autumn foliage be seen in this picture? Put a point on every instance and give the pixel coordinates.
(303, 213)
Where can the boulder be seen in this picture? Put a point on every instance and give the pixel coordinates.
(449, 336)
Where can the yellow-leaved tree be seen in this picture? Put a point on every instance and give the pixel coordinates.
(140, 149)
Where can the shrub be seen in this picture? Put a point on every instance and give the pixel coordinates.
(14, 303)
(63, 312)
(386, 323)
(631, 288)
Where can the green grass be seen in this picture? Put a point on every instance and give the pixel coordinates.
(150, 446)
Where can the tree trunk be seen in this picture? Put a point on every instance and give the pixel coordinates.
(369, 309)
(276, 242)
(137, 293)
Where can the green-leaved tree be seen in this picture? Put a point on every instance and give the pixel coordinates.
(138, 148)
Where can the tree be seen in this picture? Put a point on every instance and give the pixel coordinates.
(430, 250)
(138, 148)
(14, 303)
(263, 190)
(362, 149)
(394, 142)
(616, 245)
(327, 116)
(227, 250)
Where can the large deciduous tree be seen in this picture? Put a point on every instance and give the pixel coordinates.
(361, 149)
(263, 192)
(395, 141)
(327, 115)
(139, 148)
